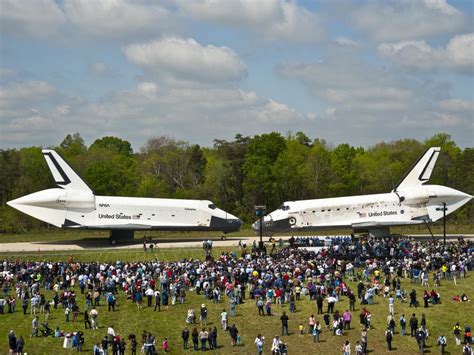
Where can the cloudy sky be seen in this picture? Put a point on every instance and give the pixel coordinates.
(348, 71)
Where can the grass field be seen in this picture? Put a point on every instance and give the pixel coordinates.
(128, 319)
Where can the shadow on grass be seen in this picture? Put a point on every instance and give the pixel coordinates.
(103, 242)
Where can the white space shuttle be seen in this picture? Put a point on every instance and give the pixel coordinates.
(410, 203)
(74, 205)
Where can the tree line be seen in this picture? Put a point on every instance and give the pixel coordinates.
(265, 169)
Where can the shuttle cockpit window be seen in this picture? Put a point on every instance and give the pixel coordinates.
(212, 206)
(284, 207)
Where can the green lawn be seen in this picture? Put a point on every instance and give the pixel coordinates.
(128, 319)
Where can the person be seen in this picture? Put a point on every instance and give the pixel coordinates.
(185, 336)
(20, 344)
(388, 338)
(413, 325)
(311, 323)
(358, 348)
(213, 337)
(346, 348)
(326, 318)
(391, 305)
(467, 334)
(457, 333)
(94, 315)
(224, 320)
(233, 332)
(284, 323)
(133, 343)
(157, 300)
(259, 342)
(466, 350)
(12, 342)
(34, 325)
(403, 325)
(165, 345)
(259, 304)
(276, 345)
(195, 337)
(442, 344)
(363, 337)
(110, 335)
(316, 331)
(413, 301)
(347, 317)
(80, 340)
(203, 315)
(87, 322)
(420, 338)
(111, 301)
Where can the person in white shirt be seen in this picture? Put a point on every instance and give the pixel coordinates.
(259, 342)
(224, 319)
(276, 345)
(94, 314)
(110, 335)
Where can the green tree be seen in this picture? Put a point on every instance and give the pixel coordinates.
(115, 144)
(317, 170)
(259, 181)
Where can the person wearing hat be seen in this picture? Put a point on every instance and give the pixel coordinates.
(203, 315)
(12, 342)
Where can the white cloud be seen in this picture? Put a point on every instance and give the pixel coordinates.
(346, 42)
(371, 103)
(274, 19)
(458, 54)
(404, 20)
(29, 91)
(196, 113)
(118, 18)
(457, 105)
(35, 18)
(32, 123)
(185, 58)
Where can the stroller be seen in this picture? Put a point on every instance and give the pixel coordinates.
(46, 330)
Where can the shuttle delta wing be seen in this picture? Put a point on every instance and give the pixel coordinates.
(421, 170)
(64, 176)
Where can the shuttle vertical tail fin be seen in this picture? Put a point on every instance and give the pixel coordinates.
(64, 176)
(421, 170)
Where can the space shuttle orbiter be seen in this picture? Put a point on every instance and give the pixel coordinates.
(74, 205)
(410, 203)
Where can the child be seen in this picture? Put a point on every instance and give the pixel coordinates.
(165, 346)
(301, 327)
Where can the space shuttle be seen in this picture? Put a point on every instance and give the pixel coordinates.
(74, 205)
(412, 202)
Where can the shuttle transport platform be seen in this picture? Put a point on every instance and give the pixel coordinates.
(103, 244)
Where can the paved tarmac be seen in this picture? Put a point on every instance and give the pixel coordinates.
(136, 244)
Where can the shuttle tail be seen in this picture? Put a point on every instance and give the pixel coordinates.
(64, 176)
(421, 170)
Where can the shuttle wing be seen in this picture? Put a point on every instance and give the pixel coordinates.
(421, 170)
(64, 176)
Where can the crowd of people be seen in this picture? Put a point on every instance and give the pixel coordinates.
(284, 277)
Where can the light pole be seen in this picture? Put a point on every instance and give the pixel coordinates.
(444, 208)
(260, 212)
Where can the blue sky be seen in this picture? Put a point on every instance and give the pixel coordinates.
(347, 71)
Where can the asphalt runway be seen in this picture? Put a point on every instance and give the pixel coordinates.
(97, 244)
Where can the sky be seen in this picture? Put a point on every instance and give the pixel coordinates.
(357, 72)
